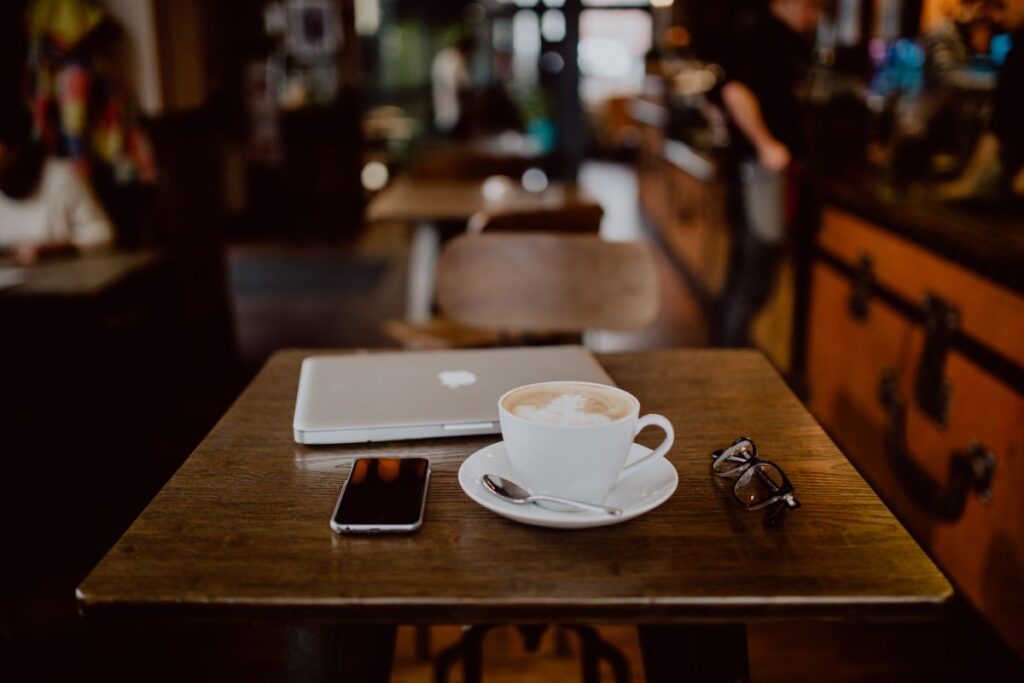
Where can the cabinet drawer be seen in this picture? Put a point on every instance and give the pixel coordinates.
(697, 229)
(850, 358)
(989, 313)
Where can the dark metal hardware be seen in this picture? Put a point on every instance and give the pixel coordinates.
(1000, 367)
(930, 387)
(970, 469)
(862, 285)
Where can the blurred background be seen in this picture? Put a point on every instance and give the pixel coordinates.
(835, 182)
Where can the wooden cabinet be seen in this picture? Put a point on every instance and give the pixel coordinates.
(915, 365)
(683, 196)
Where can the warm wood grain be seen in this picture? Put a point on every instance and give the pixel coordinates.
(988, 311)
(983, 550)
(696, 227)
(431, 199)
(556, 283)
(241, 530)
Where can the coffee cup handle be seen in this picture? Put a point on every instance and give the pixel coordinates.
(660, 451)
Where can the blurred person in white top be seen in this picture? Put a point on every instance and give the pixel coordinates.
(450, 83)
(45, 207)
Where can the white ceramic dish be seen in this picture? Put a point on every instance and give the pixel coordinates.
(635, 493)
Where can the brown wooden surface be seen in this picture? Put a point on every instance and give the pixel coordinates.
(985, 235)
(559, 283)
(241, 530)
(983, 550)
(508, 153)
(689, 211)
(82, 276)
(429, 199)
(697, 229)
(989, 312)
(442, 333)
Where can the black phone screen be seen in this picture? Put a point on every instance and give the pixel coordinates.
(383, 492)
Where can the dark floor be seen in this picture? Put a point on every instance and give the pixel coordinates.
(286, 294)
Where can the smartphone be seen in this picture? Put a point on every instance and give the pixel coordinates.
(382, 495)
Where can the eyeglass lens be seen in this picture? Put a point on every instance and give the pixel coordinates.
(760, 483)
(734, 458)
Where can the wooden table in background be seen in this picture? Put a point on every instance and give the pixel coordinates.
(74, 334)
(424, 202)
(241, 532)
(78, 277)
(507, 153)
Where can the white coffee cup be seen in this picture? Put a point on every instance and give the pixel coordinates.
(570, 458)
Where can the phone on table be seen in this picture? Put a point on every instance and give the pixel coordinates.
(382, 495)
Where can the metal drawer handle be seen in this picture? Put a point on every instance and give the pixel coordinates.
(931, 390)
(970, 469)
(862, 283)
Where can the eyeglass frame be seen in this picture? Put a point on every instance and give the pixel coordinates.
(782, 498)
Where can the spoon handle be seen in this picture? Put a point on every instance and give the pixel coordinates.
(577, 503)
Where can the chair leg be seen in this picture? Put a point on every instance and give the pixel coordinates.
(422, 642)
(561, 642)
(594, 649)
(473, 654)
(532, 634)
(469, 649)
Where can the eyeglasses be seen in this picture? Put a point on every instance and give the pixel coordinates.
(759, 484)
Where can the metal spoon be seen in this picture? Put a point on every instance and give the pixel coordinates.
(514, 493)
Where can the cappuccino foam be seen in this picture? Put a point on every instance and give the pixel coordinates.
(575, 405)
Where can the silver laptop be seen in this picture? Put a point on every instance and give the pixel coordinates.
(355, 398)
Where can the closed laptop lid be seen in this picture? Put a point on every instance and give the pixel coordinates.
(379, 390)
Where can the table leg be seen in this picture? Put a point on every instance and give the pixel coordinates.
(310, 653)
(423, 257)
(317, 653)
(708, 653)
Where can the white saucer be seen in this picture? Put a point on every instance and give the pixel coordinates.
(636, 493)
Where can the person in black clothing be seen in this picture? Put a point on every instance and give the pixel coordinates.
(768, 63)
(1000, 152)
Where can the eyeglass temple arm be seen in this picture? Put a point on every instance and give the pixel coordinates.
(787, 497)
(785, 502)
(715, 455)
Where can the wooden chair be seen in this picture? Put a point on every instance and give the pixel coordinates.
(504, 289)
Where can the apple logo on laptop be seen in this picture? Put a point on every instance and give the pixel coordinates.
(453, 379)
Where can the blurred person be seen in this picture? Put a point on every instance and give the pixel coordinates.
(45, 206)
(768, 63)
(83, 109)
(998, 158)
(450, 85)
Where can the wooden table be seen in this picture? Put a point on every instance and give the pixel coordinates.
(508, 153)
(74, 336)
(423, 202)
(241, 532)
(83, 276)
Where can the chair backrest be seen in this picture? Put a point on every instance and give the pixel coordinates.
(549, 282)
(574, 218)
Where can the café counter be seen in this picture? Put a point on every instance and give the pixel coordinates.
(914, 362)
(901, 321)
(683, 198)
